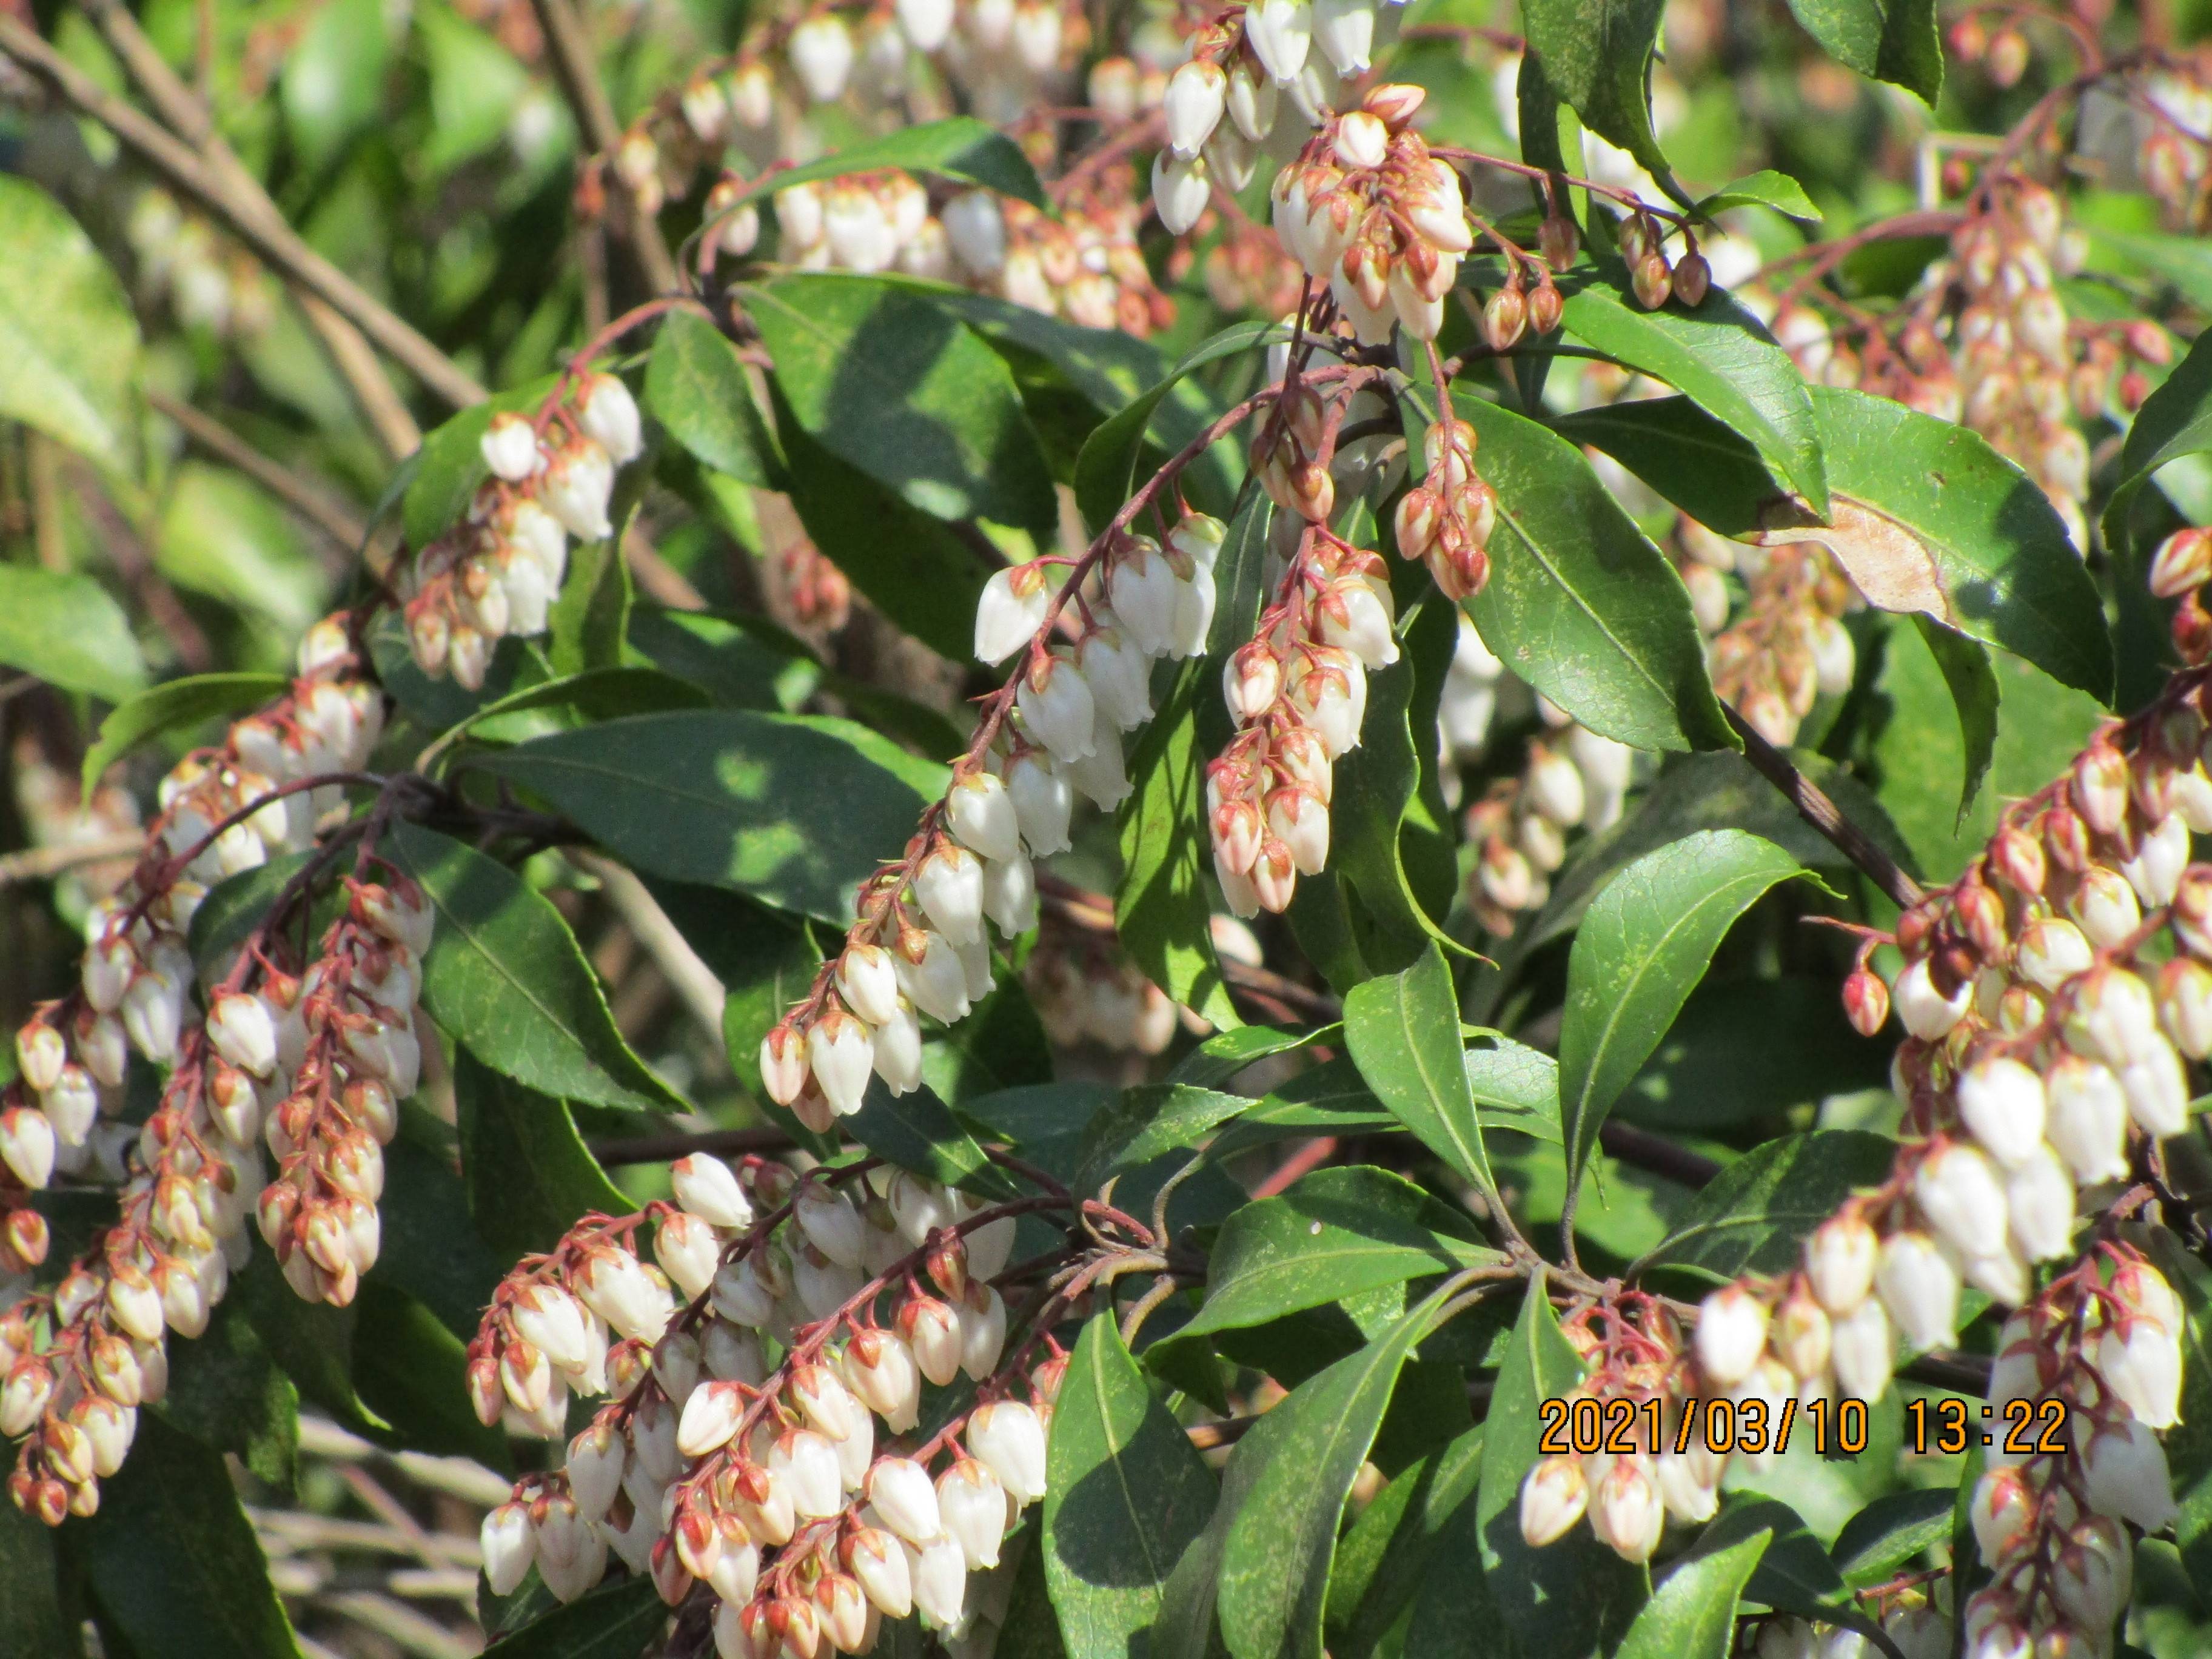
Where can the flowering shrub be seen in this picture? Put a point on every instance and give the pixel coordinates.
(1314, 827)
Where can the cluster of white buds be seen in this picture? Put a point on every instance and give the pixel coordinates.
(2171, 111)
(784, 1488)
(2093, 1364)
(1366, 208)
(1297, 690)
(1468, 705)
(1573, 780)
(208, 281)
(1247, 273)
(1788, 646)
(1086, 989)
(498, 571)
(56, 812)
(318, 1066)
(919, 944)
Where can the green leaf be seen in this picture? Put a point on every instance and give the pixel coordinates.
(1897, 1528)
(411, 1369)
(1579, 603)
(1691, 1614)
(616, 1622)
(1160, 908)
(2174, 421)
(1240, 575)
(793, 809)
(1965, 666)
(173, 704)
(1125, 1494)
(63, 628)
(172, 1558)
(1149, 1122)
(1756, 1212)
(1403, 1032)
(220, 534)
(962, 148)
(1264, 1557)
(1927, 516)
(69, 345)
(738, 661)
(529, 1173)
(1399, 1540)
(1000, 1044)
(333, 82)
(569, 701)
(1515, 1087)
(475, 85)
(1697, 462)
(226, 1392)
(911, 566)
(1765, 188)
(1722, 359)
(1106, 470)
(37, 1628)
(695, 385)
(311, 1341)
(506, 978)
(1894, 41)
(918, 1132)
(1333, 1233)
(2189, 1444)
(1643, 944)
(903, 390)
(1572, 1595)
(1795, 1574)
(1597, 55)
(448, 467)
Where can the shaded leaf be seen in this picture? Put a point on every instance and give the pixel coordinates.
(1399, 1540)
(38, 1627)
(1643, 945)
(1794, 1574)
(1965, 666)
(528, 1172)
(961, 147)
(916, 1131)
(793, 809)
(1106, 470)
(2174, 421)
(226, 1392)
(1757, 1212)
(506, 977)
(1149, 1122)
(167, 706)
(616, 1622)
(1895, 1528)
(1689, 458)
(63, 628)
(1597, 57)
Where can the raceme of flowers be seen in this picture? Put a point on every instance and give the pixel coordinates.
(497, 572)
(768, 1481)
(307, 1061)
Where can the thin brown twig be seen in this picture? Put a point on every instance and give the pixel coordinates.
(305, 496)
(1813, 806)
(43, 863)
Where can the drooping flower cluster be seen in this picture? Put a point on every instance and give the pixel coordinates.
(498, 571)
(765, 1481)
(1573, 778)
(208, 280)
(918, 947)
(1086, 989)
(1788, 646)
(2097, 1359)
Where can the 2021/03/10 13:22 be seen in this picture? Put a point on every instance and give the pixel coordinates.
(1623, 1424)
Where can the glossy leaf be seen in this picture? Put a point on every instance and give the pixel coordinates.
(1106, 472)
(1333, 1234)
(696, 386)
(63, 628)
(1403, 1032)
(1965, 667)
(69, 345)
(1572, 1595)
(1894, 40)
(960, 147)
(1757, 1210)
(1126, 1495)
(1149, 1122)
(529, 1173)
(506, 978)
(1794, 1574)
(1896, 1528)
(170, 706)
(1160, 908)
(793, 809)
(1690, 458)
(614, 1622)
(1691, 1614)
(1925, 516)
(905, 393)
(1643, 944)
(172, 1558)
(1399, 1540)
(2174, 421)
(1722, 359)
(1597, 57)
(1579, 603)
(1765, 188)
(917, 1132)
(226, 1392)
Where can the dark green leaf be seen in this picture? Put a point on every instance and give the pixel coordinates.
(2189, 1444)
(1000, 1044)
(2174, 421)
(1225, 1054)
(1926, 516)
(1795, 1574)
(431, 1252)
(411, 1369)
(1765, 188)
(238, 904)
(173, 704)
(529, 1174)
(793, 809)
(738, 661)
(904, 391)
(1161, 909)
(68, 346)
(1574, 1594)
(588, 623)
(1896, 1528)
(1894, 40)
(616, 1622)
(960, 147)
(30, 1591)
(1333, 1234)
(311, 1341)
(1757, 1212)
(1398, 1540)
(63, 628)
(172, 1558)
(1722, 359)
(225, 1393)
(1403, 1032)
(696, 386)
(1149, 1122)
(1106, 470)
(1579, 603)
(1698, 463)
(506, 977)
(916, 1131)
(1691, 1614)
(567, 701)
(1240, 574)
(1597, 55)
(1973, 683)
(449, 466)
(1126, 1495)
(1643, 944)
